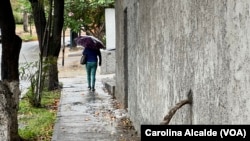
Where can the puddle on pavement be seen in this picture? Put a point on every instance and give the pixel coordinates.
(77, 103)
(93, 97)
(99, 110)
(99, 107)
(103, 110)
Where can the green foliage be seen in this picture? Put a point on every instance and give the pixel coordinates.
(29, 71)
(18, 7)
(87, 15)
(18, 18)
(37, 123)
(21, 5)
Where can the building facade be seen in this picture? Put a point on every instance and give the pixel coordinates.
(171, 50)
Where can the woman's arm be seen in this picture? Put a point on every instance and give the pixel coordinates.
(100, 57)
(84, 52)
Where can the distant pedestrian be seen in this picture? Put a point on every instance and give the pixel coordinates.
(94, 58)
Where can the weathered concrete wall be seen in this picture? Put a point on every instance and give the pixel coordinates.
(108, 55)
(174, 46)
(108, 62)
(119, 70)
(110, 28)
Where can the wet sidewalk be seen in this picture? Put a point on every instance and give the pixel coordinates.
(88, 116)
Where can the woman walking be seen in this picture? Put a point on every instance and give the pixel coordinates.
(93, 58)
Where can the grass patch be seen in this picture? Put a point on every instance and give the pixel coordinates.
(37, 123)
(26, 36)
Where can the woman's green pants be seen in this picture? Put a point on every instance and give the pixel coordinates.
(91, 68)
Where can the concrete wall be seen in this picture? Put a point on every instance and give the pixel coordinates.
(165, 48)
(120, 70)
(110, 28)
(108, 55)
(108, 62)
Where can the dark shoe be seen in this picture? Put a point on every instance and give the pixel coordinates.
(93, 89)
(89, 88)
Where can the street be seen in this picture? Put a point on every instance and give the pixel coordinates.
(29, 53)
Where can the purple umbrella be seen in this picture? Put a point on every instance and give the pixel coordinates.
(89, 42)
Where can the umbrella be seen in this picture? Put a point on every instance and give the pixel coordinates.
(89, 42)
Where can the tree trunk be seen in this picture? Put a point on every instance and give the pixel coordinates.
(53, 74)
(9, 100)
(49, 40)
(25, 21)
(73, 35)
(9, 86)
(55, 45)
(40, 20)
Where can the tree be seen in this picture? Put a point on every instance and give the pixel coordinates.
(55, 44)
(22, 6)
(40, 20)
(26, 10)
(49, 35)
(87, 16)
(50, 39)
(9, 86)
(25, 21)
